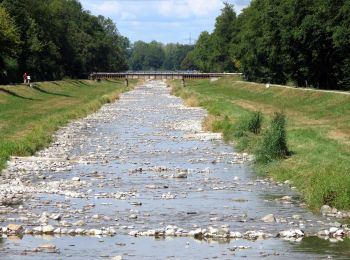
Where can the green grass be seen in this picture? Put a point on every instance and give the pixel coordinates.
(29, 116)
(317, 130)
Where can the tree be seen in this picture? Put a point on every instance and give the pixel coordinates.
(156, 56)
(222, 38)
(212, 52)
(58, 38)
(9, 42)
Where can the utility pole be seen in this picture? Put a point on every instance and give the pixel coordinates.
(189, 39)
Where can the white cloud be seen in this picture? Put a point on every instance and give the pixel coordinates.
(189, 8)
(162, 20)
(204, 7)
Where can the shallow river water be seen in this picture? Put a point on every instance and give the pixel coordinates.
(133, 180)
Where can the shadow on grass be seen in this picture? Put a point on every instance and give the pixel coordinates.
(6, 91)
(50, 93)
(79, 83)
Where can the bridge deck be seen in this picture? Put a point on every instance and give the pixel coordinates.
(157, 75)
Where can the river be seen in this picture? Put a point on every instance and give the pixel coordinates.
(140, 179)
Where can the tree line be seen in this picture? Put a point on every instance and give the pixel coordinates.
(158, 56)
(300, 42)
(57, 38)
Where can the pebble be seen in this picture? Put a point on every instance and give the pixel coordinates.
(269, 218)
(133, 216)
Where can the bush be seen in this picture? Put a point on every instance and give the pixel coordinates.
(225, 126)
(254, 123)
(274, 143)
(251, 124)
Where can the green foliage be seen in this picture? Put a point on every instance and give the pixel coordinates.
(9, 42)
(147, 56)
(58, 38)
(274, 144)
(225, 126)
(212, 52)
(303, 42)
(295, 41)
(251, 123)
(156, 56)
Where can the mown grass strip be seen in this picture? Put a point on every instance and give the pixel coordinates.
(29, 116)
(318, 132)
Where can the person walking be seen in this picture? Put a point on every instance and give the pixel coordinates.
(25, 77)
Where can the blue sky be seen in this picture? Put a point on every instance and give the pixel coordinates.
(162, 20)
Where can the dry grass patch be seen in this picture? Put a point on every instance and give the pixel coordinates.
(192, 101)
(209, 122)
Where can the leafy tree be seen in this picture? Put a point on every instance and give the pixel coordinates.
(156, 56)
(213, 52)
(58, 38)
(174, 55)
(223, 36)
(201, 54)
(9, 41)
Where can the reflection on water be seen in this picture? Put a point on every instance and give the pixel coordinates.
(172, 248)
(315, 245)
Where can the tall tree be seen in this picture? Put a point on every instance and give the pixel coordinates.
(9, 42)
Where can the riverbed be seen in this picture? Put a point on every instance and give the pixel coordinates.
(141, 179)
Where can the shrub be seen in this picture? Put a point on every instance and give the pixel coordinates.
(274, 143)
(254, 123)
(250, 124)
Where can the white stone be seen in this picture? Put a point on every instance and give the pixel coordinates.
(133, 216)
(269, 218)
(235, 234)
(325, 209)
(48, 229)
(38, 229)
(333, 230)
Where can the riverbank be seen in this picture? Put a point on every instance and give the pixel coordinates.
(318, 132)
(29, 116)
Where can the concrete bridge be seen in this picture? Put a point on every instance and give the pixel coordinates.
(158, 75)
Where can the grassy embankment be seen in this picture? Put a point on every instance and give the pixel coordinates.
(318, 132)
(29, 116)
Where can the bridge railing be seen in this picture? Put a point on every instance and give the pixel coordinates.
(162, 74)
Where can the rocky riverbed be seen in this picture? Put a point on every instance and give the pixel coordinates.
(141, 179)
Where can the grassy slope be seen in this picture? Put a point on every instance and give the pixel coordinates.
(318, 132)
(29, 116)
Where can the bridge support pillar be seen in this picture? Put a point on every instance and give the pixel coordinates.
(183, 82)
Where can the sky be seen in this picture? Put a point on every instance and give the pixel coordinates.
(161, 20)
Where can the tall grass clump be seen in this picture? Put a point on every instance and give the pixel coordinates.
(254, 123)
(274, 143)
(251, 124)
